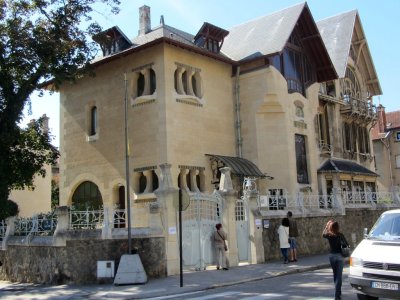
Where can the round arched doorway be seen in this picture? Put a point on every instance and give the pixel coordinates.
(87, 196)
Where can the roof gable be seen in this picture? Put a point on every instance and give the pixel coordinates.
(269, 35)
(262, 36)
(338, 33)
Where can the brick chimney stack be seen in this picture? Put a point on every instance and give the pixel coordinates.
(381, 119)
(144, 20)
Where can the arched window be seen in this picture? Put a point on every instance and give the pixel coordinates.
(350, 87)
(87, 196)
(93, 121)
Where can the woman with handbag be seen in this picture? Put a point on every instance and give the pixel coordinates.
(220, 247)
(336, 239)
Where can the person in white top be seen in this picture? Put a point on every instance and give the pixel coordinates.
(283, 232)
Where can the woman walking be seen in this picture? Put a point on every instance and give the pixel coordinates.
(334, 237)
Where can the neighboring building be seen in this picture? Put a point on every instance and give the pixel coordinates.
(386, 141)
(280, 98)
(38, 200)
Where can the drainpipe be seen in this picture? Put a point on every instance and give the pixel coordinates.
(238, 121)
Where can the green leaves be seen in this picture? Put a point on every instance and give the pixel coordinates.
(40, 40)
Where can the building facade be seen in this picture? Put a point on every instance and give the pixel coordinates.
(386, 142)
(272, 107)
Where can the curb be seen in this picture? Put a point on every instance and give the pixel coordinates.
(230, 283)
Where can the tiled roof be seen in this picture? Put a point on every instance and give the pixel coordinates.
(164, 31)
(393, 120)
(334, 165)
(336, 33)
(262, 36)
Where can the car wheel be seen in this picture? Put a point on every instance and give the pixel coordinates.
(366, 297)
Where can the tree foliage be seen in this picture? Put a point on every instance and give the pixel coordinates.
(41, 42)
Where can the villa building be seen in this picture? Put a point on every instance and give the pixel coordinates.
(248, 122)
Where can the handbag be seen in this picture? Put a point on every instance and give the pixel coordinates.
(344, 247)
(225, 246)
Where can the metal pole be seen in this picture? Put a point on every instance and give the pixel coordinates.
(128, 198)
(180, 238)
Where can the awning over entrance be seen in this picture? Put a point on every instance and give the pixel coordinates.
(344, 166)
(239, 166)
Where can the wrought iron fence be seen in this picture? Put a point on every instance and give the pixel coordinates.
(296, 202)
(120, 218)
(86, 219)
(369, 198)
(41, 224)
(3, 228)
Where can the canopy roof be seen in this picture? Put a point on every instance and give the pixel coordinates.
(334, 165)
(240, 166)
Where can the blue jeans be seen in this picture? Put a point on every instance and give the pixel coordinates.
(336, 261)
(285, 254)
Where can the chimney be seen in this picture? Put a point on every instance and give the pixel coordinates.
(381, 119)
(144, 20)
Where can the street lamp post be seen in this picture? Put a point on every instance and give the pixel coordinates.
(128, 198)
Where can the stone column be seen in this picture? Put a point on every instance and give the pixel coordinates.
(256, 254)
(179, 84)
(229, 222)
(108, 223)
(167, 196)
(146, 74)
(59, 237)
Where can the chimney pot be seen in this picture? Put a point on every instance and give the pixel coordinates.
(144, 20)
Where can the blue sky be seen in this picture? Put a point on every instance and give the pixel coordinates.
(380, 20)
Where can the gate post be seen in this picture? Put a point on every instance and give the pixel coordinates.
(228, 214)
(256, 230)
(167, 195)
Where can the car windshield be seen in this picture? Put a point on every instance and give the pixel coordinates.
(386, 228)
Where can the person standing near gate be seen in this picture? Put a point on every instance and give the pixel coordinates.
(293, 234)
(220, 237)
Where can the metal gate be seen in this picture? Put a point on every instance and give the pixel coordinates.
(242, 229)
(198, 225)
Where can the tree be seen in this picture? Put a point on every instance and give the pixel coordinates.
(44, 43)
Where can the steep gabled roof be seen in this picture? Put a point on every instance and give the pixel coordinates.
(338, 32)
(268, 35)
(263, 36)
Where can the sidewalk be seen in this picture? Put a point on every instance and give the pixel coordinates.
(164, 287)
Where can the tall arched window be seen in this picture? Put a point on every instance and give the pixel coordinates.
(350, 87)
(87, 195)
(93, 121)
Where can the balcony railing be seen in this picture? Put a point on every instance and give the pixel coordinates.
(358, 107)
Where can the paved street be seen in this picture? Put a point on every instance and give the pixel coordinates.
(309, 278)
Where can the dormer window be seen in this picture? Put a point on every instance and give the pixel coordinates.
(210, 37)
(112, 40)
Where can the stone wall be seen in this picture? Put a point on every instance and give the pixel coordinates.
(310, 239)
(77, 262)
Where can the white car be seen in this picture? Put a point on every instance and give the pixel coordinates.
(375, 262)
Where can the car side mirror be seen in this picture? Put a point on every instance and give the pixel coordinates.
(365, 232)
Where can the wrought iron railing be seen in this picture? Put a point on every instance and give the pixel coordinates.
(86, 219)
(3, 229)
(362, 107)
(120, 218)
(41, 224)
(369, 198)
(305, 201)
